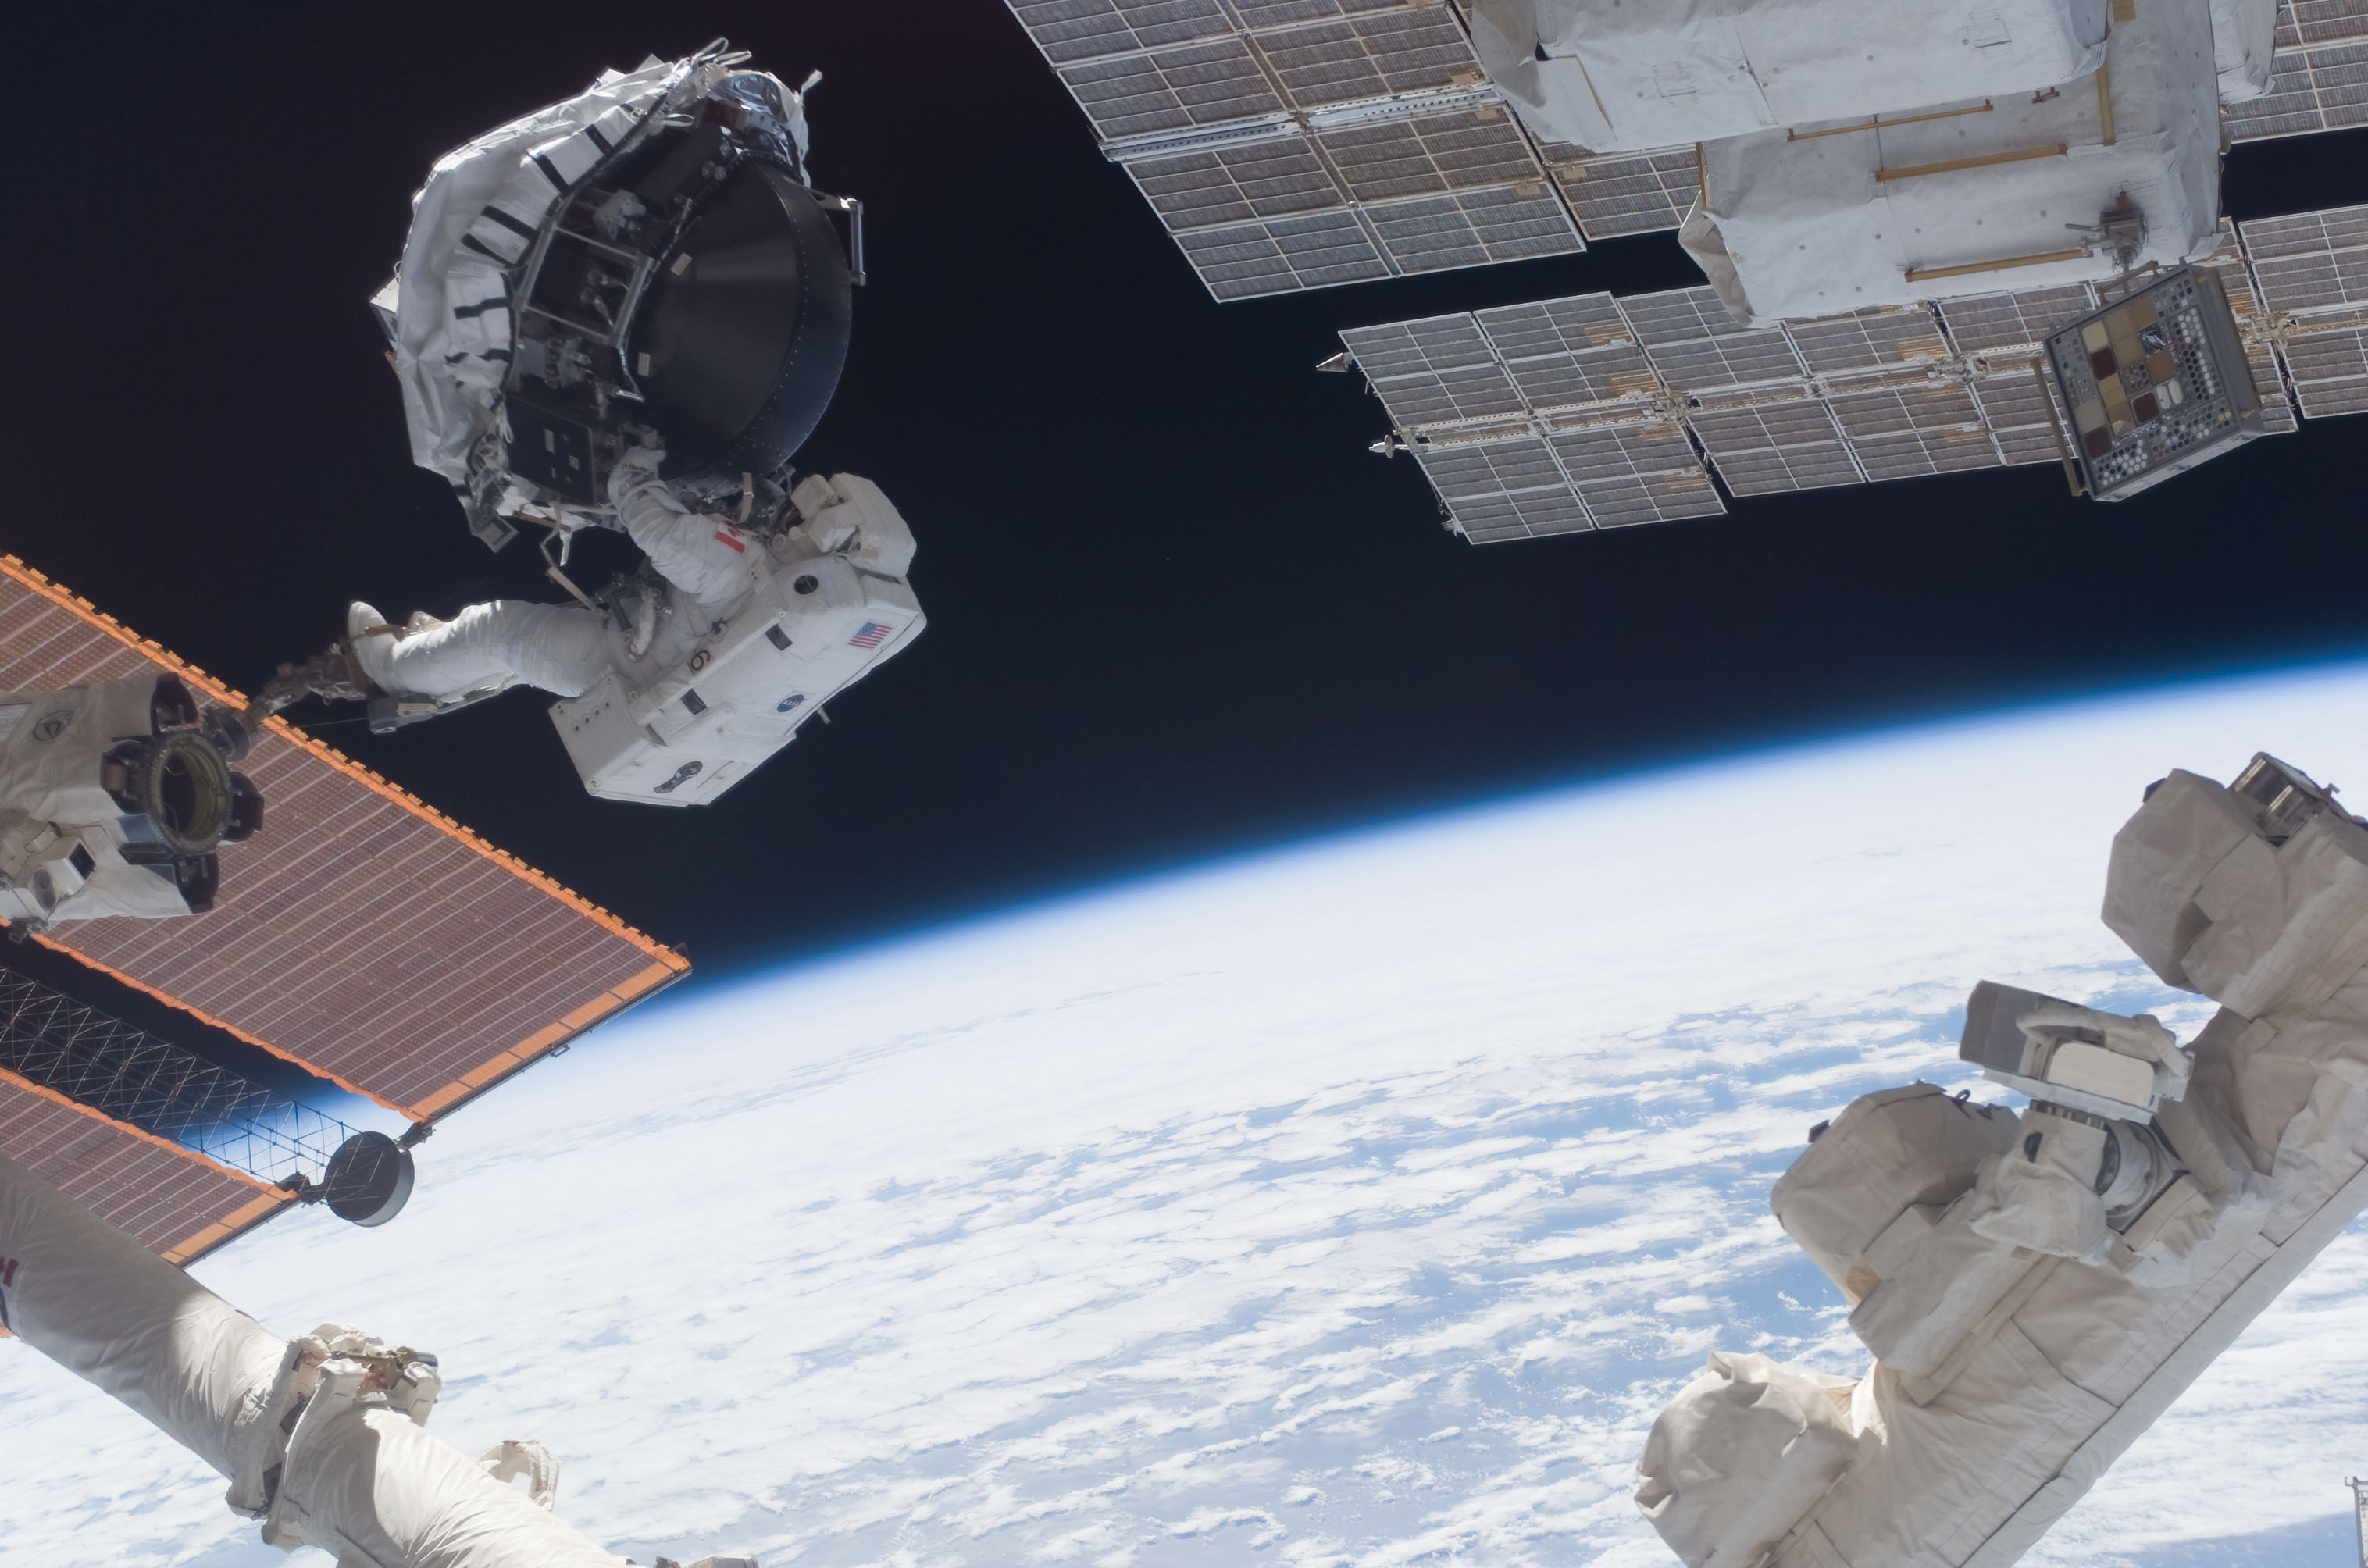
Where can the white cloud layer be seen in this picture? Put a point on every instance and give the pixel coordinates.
(1359, 1204)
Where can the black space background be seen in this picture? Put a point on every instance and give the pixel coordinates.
(1175, 606)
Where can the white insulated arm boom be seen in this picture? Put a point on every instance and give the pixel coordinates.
(319, 1436)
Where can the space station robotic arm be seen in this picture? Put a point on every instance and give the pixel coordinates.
(322, 1438)
(2037, 1287)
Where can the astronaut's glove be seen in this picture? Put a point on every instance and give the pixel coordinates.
(635, 468)
(2143, 1036)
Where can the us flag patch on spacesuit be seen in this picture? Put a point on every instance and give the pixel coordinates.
(874, 632)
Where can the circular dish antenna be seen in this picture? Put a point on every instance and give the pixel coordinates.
(369, 1179)
(744, 331)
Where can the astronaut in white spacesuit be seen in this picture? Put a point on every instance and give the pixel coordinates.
(700, 667)
(710, 577)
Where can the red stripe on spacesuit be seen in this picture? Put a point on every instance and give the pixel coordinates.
(724, 537)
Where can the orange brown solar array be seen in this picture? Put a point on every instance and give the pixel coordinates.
(173, 1201)
(359, 933)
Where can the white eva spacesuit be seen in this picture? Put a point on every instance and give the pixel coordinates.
(689, 678)
(2038, 1289)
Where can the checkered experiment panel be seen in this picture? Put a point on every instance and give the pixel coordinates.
(1291, 144)
(359, 933)
(170, 1199)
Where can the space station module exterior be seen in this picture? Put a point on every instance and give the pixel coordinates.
(1955, 147)
(2038, 1289)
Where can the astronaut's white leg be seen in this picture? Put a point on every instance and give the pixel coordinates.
(560, 648)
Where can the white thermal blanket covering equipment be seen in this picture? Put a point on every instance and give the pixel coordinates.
(320, 1435)
(2018, 1353)
(2006, 191)
(1665, 72)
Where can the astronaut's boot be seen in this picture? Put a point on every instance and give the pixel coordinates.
(369, 639)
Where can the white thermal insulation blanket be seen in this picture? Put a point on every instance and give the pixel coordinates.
(356, 1478)
(472, 223)
(2008, 1378)
(1663, 73)
(99, 1304)
(2244, 38)
(1793, 225)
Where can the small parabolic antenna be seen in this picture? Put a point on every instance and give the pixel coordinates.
(369, 1179)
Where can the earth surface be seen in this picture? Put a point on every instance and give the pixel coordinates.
(1355, 1203)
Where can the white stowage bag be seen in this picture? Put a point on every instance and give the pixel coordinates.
(1664, 73)
(1738, 1456)
(2008, 196)
(2019, 1351)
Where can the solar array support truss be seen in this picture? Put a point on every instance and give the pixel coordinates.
(1293, 144)
(184, 1154)
(1596, 412)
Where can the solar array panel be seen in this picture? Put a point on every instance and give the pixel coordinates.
(1304, 143)
(1626, 410)
(2311, 269)
(2319, 79)
(1627, 193)
(173, 1201)
(361, 933)
(1537, 419)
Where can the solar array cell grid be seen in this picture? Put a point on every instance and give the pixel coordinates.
(1471, 228)
(1653, 498)
(1696, 345)
(1637, 473)
(1431, 155)
(1569, 326)
(1491, 468)
(1089, 29)
(173, 1201)
(1275, 178)
(1172, 89)
(1599, 375)
(2277, 407)
(1370, 54)
(1623, 451)
(1275, 256)
(1782, 446)
(2331, 370)
(1989, 322)
(1260, 14)
(1429, 345)
(1628, 193)
(1909, 432)
(2015, 407)
(2311, 261)
(359, 933)
(1900, 334)
(1533, 514)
